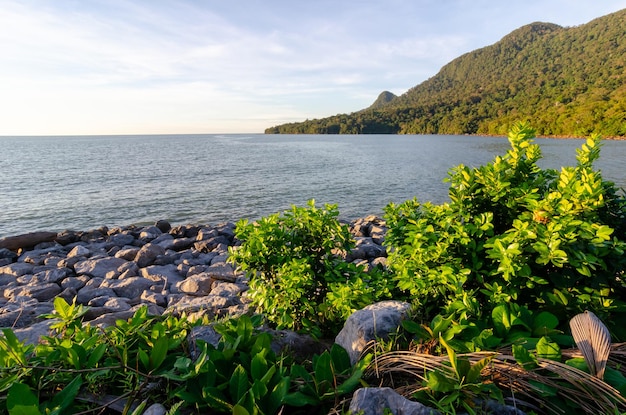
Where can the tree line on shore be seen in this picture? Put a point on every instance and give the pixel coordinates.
(568, 80)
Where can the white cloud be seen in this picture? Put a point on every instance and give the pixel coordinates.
(124, 66)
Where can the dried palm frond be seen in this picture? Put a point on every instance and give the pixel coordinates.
(594, 341)
(406, 372)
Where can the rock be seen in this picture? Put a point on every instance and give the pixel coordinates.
(17, 269)
(74, 283)
(163, 225)
(79, 250)
(163, 274)
(155, 409)
(154, 298)
(109, 319)
(34, 333)
(198, 285)
(366, 248)
(7, 254)
(149, 233)
(98, 267)
(42, 292)
(118, 304)
(68, 294)
(209, 305)
(376, 401)
(128, 254)
(86, 293)
(210, 244)
(131, 287)
(121, 239)
(147, 254)
(374, 321)
(222, 271)
(27, 240)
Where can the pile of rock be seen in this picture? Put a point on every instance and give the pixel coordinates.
(115, 271)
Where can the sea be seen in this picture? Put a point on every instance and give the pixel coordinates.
(85, 182)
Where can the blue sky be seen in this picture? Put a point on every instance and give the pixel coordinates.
(236, 66)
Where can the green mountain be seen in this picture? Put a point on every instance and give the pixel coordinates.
(566, 81)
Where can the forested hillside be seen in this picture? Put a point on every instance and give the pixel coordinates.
(565, 81)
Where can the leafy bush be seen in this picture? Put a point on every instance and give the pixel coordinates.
(514, 232)
(145, 359)
(298, 278)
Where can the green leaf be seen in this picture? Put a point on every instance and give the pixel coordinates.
(323, 371)
(278, 395)
(240, 410)
(22, 401)
(451, 356)
(96, 354)
(438, 382)
(474, 373)
(63, 309)
(544, 323)
(258, 366)
(238, 385)
(299, 399)
(340, 359)
(65, 398)
(548, 349)
(159, 352)
(524, 358)
(143, 358)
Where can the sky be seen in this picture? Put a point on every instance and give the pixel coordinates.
(81, 67)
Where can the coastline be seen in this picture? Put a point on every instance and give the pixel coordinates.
(114, 271)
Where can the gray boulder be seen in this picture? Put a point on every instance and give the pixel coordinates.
(377, 401)
(98, 267)
(147, 254)
(130, 287)
(374, 321)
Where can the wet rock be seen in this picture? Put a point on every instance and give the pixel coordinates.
(163, 225)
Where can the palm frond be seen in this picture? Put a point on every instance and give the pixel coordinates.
(594, 341)
(406, 372)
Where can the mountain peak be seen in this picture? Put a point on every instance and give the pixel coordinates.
(383, 99)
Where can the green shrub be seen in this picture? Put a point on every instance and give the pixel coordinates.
(146, 359)
(513, 232)
(298, 278)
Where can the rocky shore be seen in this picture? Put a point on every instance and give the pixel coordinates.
(114, 271)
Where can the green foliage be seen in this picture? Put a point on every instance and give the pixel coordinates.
(241, 375)
(147, 359)
(514, 233)
(331, 377)
(297, 276)
(569, 81)
(459, 385)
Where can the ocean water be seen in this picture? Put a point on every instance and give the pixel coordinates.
(84, 182)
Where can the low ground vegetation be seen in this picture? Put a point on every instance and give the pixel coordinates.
(494, 277)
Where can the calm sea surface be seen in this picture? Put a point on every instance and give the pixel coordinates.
(82, 183)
